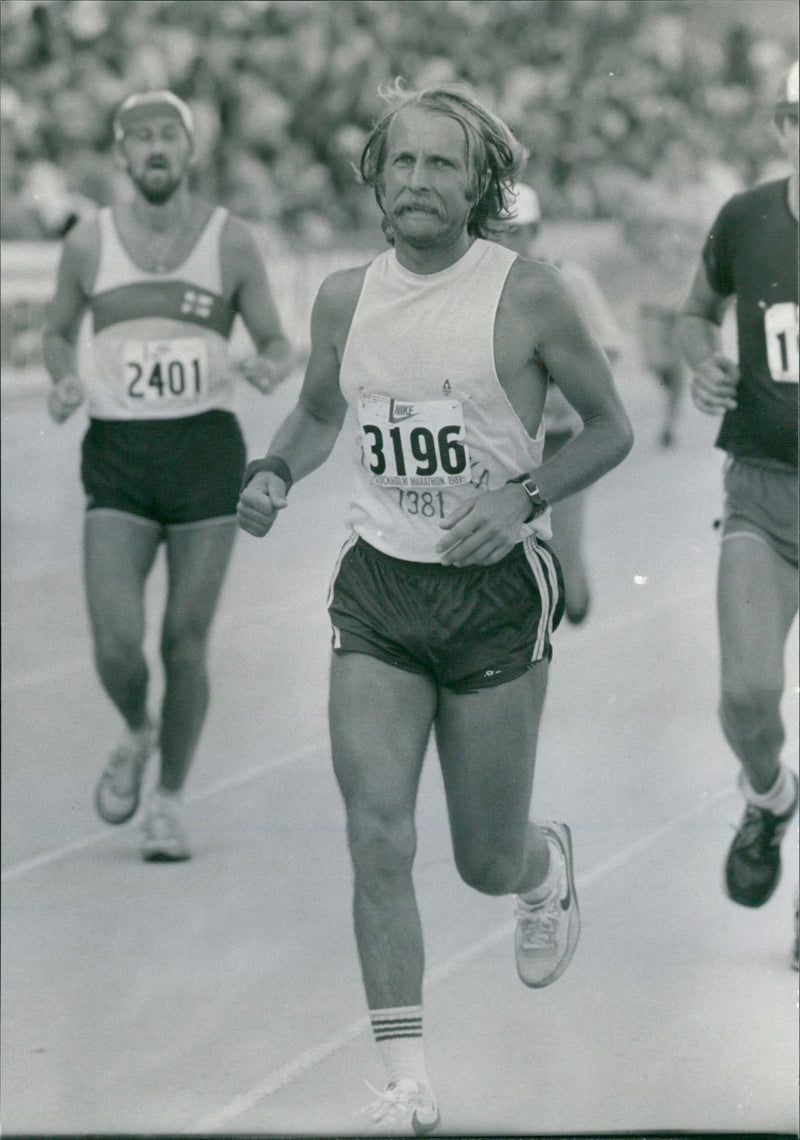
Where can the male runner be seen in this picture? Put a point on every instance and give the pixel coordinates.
(561, 421)
(751, 254)
(665, 219)
(445, 595)
(163, 276)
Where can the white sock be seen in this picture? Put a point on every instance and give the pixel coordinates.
(398, 1035)
(550, 881)
(778, 799)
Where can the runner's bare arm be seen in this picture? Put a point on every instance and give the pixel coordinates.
(714, 375)
(540, 321)
(306, 437)
(63, 316)
(580, 368)
(252, 298)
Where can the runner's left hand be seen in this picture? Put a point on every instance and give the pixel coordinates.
(483, 531)
(264, 372)
(65, 397)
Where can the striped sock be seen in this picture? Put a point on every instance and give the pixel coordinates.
(398, 1035)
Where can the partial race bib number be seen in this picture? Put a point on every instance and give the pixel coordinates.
(161, 371)
(780, 330)
(414, 444)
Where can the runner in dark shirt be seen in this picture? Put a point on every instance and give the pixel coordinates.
(751, 254)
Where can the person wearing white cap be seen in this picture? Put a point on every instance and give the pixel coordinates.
(162, 275)
(561, 421)
(751, 254)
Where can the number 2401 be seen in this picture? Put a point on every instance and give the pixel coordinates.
(168, 380)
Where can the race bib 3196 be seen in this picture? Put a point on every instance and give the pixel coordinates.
(413, 444)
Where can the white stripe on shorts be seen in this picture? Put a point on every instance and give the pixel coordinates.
(349, 543)
(543, 565)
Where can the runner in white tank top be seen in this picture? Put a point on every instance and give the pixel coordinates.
(162, 278)
(436, 359)
(158, 345)
(434, 425)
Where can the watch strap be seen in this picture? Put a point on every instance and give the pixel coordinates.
(538, 503)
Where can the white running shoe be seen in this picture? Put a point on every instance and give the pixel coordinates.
(117, 793)
(163, 836)
(547, 931)
(404, 1105)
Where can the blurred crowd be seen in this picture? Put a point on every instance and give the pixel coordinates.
(611, 97)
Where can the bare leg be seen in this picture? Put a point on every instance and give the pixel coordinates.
(487, 749)
(756, 604)
(671, 380)
(119, 550)
(197, 560)
(567, 544)
(380, 720)
(568, 540)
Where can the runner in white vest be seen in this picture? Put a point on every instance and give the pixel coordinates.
(162, 276)
(437, 357)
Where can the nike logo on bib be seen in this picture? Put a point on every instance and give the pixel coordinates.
(399, 412)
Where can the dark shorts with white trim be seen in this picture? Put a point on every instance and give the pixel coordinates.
(173, 471)
(466, 627)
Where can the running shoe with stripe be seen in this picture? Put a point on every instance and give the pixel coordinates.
(116, 796)
(753, 865)
(404, 1108)
(547, 931)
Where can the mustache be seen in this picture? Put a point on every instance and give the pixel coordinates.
(424, 206)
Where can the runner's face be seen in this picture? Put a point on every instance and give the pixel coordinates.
(426, 178)
(157, 152)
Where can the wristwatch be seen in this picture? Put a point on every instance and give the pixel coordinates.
(538, 503)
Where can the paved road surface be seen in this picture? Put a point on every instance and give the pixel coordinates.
(222, 995)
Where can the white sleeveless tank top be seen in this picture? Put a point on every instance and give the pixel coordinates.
(431, 423)
(157, 346)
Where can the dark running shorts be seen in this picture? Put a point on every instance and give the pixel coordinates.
(467, 628)
(171, 471)
(761, 500)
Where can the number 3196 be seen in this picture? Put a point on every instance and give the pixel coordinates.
(429, 453)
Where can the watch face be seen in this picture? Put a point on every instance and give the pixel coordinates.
(538, 504)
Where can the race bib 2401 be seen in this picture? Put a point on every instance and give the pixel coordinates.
(413, 443)
(160, 371)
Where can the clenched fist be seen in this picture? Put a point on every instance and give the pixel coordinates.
(65, 397)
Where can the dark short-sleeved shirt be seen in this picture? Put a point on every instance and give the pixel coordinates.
(752, 252)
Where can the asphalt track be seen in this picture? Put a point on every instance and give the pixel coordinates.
(222, 995)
